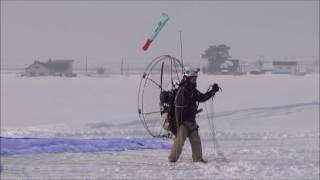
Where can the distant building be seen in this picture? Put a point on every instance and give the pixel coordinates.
(262, 69)
(50, 68)
(285, 67)
(231, 66)
(267, 67)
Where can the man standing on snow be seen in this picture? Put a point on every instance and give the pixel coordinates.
(186, 108)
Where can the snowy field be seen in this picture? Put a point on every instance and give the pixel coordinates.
(268, 128)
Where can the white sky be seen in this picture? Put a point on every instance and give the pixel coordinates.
(107, 31)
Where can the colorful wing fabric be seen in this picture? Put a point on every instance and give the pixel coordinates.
(162, 22)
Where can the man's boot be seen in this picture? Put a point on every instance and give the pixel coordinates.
(202, 161)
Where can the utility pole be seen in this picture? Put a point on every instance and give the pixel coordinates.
(181, 48)
(86, 65)
(122, 64)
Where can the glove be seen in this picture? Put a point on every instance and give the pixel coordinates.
(215, 87)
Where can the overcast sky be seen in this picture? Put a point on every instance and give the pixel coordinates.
(107, 31)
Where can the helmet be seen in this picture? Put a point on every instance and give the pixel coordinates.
(190, 72)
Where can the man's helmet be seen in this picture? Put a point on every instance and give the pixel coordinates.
(190, 72)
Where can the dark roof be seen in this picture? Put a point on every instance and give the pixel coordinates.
(285, 63)
(56, 65)
(59, 65)
(37, 62)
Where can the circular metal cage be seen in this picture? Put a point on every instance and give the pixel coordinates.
(164, 73)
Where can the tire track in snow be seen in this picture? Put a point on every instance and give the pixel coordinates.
(257, 112)
(135, 128)
(263, 111)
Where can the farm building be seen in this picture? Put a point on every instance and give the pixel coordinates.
(231, 66)
(285, 67)
(50, 68)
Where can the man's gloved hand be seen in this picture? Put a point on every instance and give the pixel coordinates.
(215, 87)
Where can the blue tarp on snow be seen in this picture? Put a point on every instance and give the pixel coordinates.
(13, 146)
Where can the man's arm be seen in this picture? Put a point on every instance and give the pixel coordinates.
(204, 97)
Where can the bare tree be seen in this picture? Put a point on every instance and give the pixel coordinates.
(216, 55)
(101, 70)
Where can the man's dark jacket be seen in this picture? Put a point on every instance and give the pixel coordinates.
(186, 101)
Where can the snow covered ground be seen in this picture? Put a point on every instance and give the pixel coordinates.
(268, 128)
